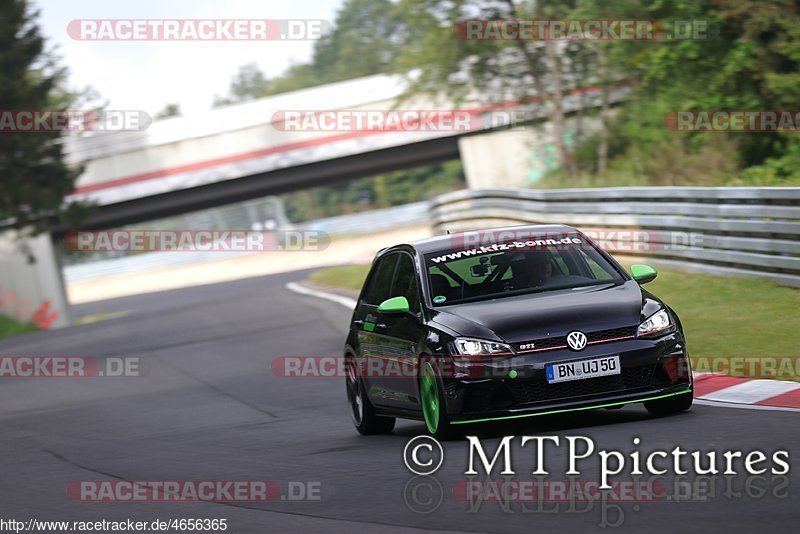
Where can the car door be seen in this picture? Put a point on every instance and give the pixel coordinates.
(398, 337)
(365, 319)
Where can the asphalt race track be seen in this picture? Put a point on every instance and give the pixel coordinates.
(208, 407)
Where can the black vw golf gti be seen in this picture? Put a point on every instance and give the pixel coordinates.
(508, 323)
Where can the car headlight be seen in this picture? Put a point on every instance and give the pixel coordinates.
(655, 323)
(475, 347)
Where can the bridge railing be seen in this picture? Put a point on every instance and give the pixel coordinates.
(751, 231)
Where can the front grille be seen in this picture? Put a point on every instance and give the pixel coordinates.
(533, 391)
(611, 333)
(598, 336)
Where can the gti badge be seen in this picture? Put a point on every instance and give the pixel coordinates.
(576, 340)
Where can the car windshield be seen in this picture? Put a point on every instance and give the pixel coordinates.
(535, 265)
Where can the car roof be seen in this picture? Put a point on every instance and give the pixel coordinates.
(447, 241)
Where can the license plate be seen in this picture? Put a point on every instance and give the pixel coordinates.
(578, 370)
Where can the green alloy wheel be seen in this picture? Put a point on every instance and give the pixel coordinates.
(431, 397)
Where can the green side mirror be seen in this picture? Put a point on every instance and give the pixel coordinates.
(394, 305)
(643, 273)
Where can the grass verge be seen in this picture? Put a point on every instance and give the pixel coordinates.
(729, 316)
(11, 327)
(343, 276)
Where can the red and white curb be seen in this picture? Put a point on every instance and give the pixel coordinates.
(757, 394)
(712, 389)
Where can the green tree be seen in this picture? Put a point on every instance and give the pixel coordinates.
(380, 191)
(35, 179)
(366, 38)
(498, 70)
(170, 110)
(749, 60)
(247, 84)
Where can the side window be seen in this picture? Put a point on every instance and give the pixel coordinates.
(561, 265)
(597, 271)
(405, 282)
(380, 280)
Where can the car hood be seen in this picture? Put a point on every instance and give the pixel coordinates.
(541, 315)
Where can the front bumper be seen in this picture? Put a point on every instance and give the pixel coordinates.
(485, 390)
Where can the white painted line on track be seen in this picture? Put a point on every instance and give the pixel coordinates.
(752, 391)
(347, 302)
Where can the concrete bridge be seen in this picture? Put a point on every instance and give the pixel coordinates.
(254, 149)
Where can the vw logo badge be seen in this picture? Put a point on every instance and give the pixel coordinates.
(576, 340)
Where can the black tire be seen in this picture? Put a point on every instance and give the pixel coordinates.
(366, 421)
(439, 425)
(670, 405)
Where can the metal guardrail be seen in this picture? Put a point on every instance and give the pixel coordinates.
(751, 231)
(370, 221)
